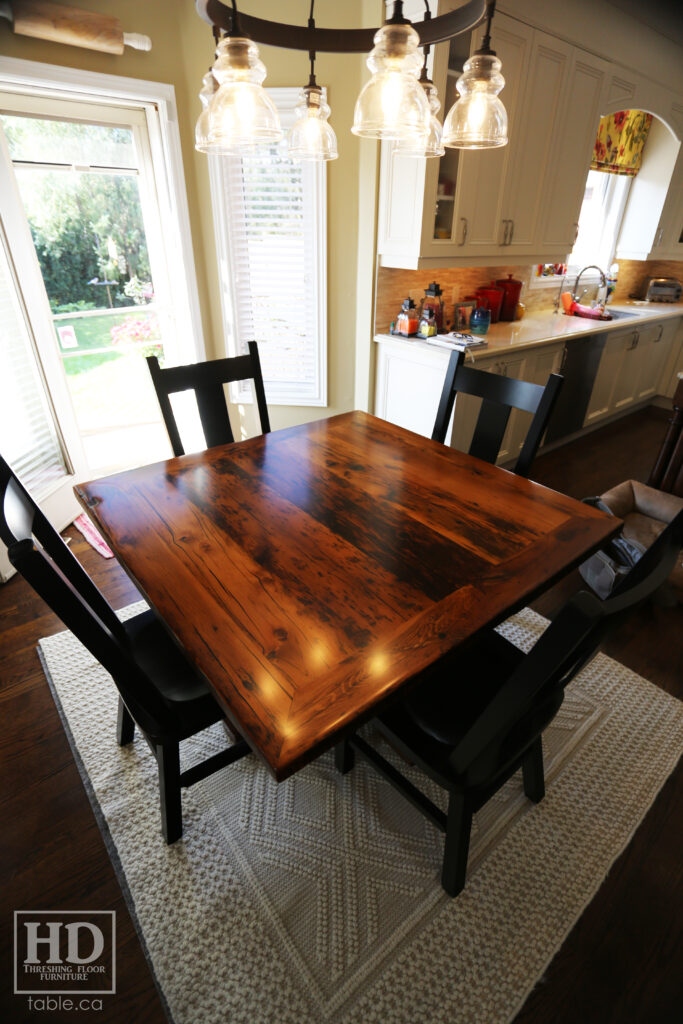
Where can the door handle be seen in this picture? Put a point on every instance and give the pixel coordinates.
(463, 221)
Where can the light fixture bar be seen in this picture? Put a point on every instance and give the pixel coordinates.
(339, 40)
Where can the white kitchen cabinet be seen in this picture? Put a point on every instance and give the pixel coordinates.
(408, 384)
(631, 367)
(521, 201)
(654, 344)
(410, 378)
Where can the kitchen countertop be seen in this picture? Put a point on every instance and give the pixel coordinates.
(542, 328)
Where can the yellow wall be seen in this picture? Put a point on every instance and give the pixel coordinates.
(182, 50)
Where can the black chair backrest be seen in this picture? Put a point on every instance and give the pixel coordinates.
(568, 643)
(207, 380)
(58, 577)
(499, 396)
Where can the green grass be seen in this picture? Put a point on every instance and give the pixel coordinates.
(93, 332)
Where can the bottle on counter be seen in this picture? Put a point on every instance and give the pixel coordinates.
(407, 321)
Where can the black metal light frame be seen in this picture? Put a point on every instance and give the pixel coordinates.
(338, 40)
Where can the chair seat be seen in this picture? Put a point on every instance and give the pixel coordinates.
(185, 693)
(444, 709)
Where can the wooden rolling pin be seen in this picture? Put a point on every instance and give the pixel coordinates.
(72, 25)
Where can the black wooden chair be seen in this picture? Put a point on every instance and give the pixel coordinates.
(499, 396)
(158, 689)
(479, 717)
(207, 380)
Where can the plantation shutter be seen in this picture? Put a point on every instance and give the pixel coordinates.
(28, 437)
(274, 236)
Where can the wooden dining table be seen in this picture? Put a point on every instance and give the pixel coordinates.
(313, 572)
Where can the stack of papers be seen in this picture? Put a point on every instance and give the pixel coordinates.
(457, 340)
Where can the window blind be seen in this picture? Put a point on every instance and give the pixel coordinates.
(271, 240)
(28, 438)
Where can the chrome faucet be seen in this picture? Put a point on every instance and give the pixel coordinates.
(575, 294)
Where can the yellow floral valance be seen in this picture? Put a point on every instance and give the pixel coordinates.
(621, 138)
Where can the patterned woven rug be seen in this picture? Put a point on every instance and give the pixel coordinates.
(318, 900)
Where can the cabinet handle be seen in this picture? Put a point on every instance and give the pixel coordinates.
(634, 341)
(576, 232)
(512, 232)
(659, 239)
(505, 231)
(463, 221)
(661, 332)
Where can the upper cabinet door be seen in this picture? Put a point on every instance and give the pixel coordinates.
(572, 146)
(478, 223)
(533, 148)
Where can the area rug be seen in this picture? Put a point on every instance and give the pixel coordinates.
(318, 900)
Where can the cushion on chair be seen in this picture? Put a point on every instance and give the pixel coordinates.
(646, 512)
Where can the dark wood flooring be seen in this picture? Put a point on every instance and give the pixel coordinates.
(619, 962)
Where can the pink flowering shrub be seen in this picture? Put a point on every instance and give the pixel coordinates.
(139, 332)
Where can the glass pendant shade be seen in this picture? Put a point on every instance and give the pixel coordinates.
(241, 114)
(428, 145)
(311, 137)
(478, 120)
(201, 132)
(393, 104)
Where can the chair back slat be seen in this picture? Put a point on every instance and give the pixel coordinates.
(213, 413)
(489, 431)
(21, 519)
(207, 380)
(567, 645)
(499, 396)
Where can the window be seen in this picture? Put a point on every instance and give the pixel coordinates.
(600, 219)
(270, 221)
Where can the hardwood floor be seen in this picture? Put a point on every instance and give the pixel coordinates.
(617, 965)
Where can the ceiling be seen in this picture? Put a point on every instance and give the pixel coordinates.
(664, 16)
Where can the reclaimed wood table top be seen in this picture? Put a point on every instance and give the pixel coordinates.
(311, 572)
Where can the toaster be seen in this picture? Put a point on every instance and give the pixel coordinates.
(663, 289)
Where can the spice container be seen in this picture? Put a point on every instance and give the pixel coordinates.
(407, 321)
(428, 327)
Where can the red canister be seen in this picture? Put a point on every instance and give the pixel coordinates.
(492, 297)
(512, 289)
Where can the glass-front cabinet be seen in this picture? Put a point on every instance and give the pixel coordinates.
(518, 202)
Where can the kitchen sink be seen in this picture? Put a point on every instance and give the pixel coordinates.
(621, 314)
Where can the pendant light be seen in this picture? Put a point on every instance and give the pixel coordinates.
(478, 120)
(201, 132)
(241, 114)
(311, 137)
(393, 104)
(430, 145)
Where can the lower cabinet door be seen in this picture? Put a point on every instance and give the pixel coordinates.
(655, 344)
(409, 383)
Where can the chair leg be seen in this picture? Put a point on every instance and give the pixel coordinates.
(532, 772)
(458, 827)
(168, 760)
(125, 725)
(344, 757)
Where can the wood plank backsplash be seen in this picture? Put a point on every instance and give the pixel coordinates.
(393, 286)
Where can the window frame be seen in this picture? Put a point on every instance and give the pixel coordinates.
(221, 171)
